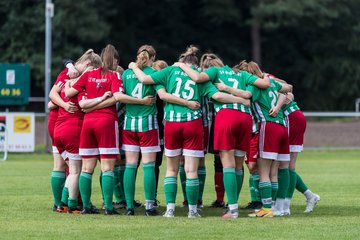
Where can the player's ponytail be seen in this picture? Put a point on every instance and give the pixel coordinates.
(243, 66)
(189, 56)
(108, 54)
(144, 55)
(210, 60)
(254, 69)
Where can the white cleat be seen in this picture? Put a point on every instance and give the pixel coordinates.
(311, 203)
(193, 214)
(169, 213)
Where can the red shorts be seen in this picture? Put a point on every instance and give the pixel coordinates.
(206, 138)
(141, 141)
(232, 131)
(273, 141)
(99, 136)
(184, 138)
(253, 153)
(67, 138)
(297, 125)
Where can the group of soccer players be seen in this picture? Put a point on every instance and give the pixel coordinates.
(101, 113)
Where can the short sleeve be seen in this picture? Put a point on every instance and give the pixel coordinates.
(212, 72)
(249, 78)
(157, 87)
(278, 85)
(117, 84)
(61, 79)
(254, 91)
(80, 85)
(82, 96)
(207, 89)
(160, 77)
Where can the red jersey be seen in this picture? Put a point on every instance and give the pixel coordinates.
(96, 85)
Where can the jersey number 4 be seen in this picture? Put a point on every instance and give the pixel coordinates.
(137, 92)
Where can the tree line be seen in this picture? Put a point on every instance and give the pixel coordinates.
(312, 44)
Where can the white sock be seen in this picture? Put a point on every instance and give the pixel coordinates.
(193, 208)
(170, 206)
(233, 206)
(149, 204)
(308, 194)
(287, 203)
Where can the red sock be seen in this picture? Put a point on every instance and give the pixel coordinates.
(219, 186)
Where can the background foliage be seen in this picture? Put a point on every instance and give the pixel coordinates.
(313, 44)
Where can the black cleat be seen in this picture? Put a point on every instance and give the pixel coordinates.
(217, 204)
(74, 210)
(130, 212)
(137, 204)
(250, 205)
(151, 212)
(111, 212)
(54, 208)
(91, 210)
(120, 205)
(156, 203)
(62, 208)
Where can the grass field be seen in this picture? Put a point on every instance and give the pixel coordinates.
(26, 200)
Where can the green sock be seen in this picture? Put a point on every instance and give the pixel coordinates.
(183, 180)
(284, 180)
(65, 196)
(292, 184)
(230, 185)
(121, 179)
(192, 190)
(129, 184)
(202, 177)
(300, 185)
(57, 185)
(117, 184)
(108, 188)
(73, 202)
(274, 190)
(251, 188)
(256, 180)
(239, 181)
(149, 181)
(265, 193)
(85, 181)
(170, 189)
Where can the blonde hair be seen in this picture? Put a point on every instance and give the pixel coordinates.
(189, 56)
(243, 65)
(159, 64)
(210, 60)
(119, 70)
(91, 57)
(254, 69)
(108, 54)
(144, 54)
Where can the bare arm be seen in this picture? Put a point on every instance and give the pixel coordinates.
(193, 74)
(234, 91)
(89, 103)
(145, 79)
(122, 97)
(106, 103)
(227, 98)
(167, 97)
(263, 82)
(70, 91)
(286, 88)
(51, 105)
(55, 97)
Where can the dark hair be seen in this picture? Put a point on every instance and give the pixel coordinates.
(107, 56)
(189, 56)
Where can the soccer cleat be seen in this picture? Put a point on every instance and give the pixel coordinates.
(130, 212)
(137, 204)
(217, 204)
(151, 212)
(185, 204)
(264, 212)
(62, 208)
(54, 208)
(111, 212)
(169, 213)
(193, 214)
(287, 212)
(257, 206)
(156, 203)
(311, 203)
(200, 204)
(120, 205)
(74, 210)
(231, 214)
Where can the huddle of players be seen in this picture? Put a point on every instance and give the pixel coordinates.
(87, 129)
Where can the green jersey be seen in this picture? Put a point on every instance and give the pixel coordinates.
(139, 118)
(264, 99)
(238, 80)
(289, 108)
(178, 83)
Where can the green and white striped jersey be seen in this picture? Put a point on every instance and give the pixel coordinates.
(264, 99)
(238, 80)
(289, 108)
(139, 118)
(178, 83)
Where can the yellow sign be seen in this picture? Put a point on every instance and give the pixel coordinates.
(22, 124)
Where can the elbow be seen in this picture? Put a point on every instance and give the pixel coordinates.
(217, 97)
(290, 88)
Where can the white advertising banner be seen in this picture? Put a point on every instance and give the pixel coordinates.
(20, 128)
